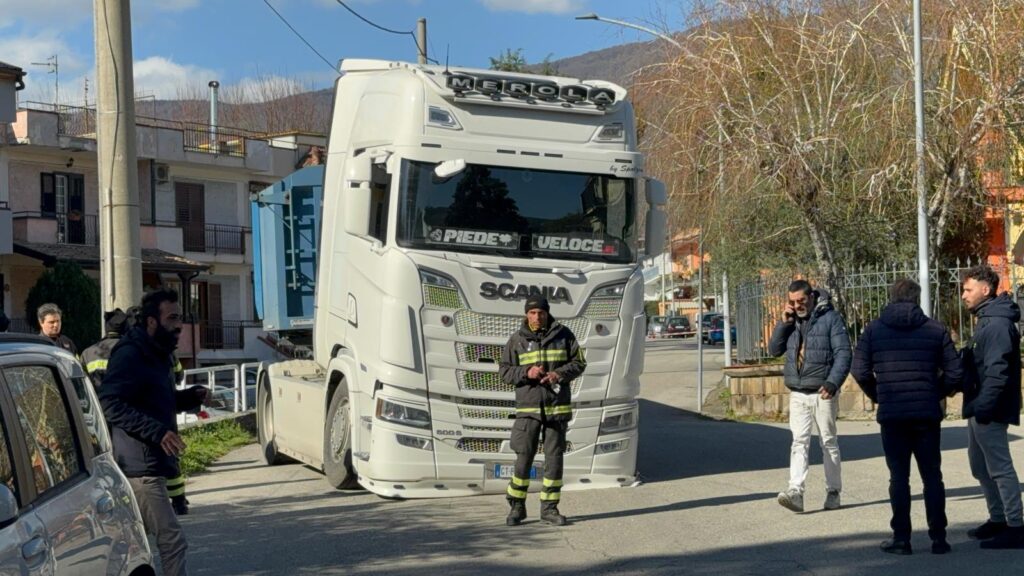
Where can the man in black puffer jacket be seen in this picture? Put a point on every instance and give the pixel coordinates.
(140, 403)
(541, 360)
(813, 337)
(992, 402)
(907, 363)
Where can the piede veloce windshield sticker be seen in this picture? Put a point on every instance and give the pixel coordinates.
(555, 243)
(463, 237)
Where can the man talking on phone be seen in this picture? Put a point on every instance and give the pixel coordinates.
(140, 402)
(813, 336)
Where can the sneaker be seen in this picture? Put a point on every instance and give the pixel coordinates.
(516, 513)
(900, 547)
(1010, 538)
(791, 500)
(941, 547)
(987, 530)
(832, 500)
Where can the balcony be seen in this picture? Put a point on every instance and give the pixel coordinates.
(214, 238)
(49, 228)
(77, 122)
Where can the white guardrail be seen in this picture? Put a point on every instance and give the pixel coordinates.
(231, 386)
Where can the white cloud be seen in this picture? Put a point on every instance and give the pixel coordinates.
(167, 79)
(22, 51)
(62, 13)
(534, 6)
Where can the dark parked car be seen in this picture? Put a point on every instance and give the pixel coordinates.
(716, 335)
(65, 506)
(677, 326)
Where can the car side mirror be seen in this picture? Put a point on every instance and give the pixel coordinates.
(8, 506)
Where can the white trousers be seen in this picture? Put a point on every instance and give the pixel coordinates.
(808, 411)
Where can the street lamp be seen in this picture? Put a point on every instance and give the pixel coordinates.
(922, 194)
(593, 16)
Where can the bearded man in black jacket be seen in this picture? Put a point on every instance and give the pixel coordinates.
(141, 405)
(992, 402)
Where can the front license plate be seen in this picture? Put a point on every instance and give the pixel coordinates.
(506, 471)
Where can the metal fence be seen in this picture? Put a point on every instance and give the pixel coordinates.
(863, 294)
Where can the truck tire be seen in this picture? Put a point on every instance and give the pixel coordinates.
(338, 444)
(265, 423)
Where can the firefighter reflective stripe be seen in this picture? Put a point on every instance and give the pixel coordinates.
(176, 486)
(558, 409)
(517, 487)
(549, 483)
(549, 410)
(543, 356)
(550, 496)
(96, 365)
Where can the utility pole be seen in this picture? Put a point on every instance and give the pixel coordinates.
(117, 167)
(421, 40)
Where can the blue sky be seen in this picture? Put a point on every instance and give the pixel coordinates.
(180, 45)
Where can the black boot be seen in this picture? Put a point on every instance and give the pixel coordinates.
(549, 513)
(180, 505)
(517, 512)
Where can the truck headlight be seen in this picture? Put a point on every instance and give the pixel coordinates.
(620, 422)
(608, 447)
(415, 442)
(402, 414)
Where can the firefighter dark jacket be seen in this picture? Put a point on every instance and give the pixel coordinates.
(556, 349)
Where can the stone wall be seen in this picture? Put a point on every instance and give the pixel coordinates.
(758, 391)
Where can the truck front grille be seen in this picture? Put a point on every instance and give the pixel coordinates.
(470, 323)
(493, 445)
(482, 381)
(478, 352)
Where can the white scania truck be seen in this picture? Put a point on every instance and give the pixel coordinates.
(450, 195)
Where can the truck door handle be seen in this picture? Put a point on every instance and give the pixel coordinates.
(105, 505)
(34, 549)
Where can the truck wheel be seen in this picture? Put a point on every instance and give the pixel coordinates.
(265, 423)
(338, 445)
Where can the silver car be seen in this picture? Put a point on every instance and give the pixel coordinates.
(65, 507)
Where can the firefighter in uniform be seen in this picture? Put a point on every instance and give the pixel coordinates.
(541, 360)
(95, 357)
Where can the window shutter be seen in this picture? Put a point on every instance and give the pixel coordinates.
(47, 197)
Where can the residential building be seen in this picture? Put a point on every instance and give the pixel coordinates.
(194, 186)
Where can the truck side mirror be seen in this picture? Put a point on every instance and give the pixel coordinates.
(654, 233)
(357, 195)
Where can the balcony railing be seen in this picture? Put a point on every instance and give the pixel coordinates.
(80, 121)
(214, 238)
(224, 335)
(79, 229)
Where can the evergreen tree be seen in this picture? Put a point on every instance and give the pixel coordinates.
(78, 297)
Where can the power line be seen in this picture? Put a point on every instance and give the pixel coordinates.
(409, 33)
(292, 28)
(377, 26)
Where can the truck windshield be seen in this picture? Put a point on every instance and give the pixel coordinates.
(518, 212)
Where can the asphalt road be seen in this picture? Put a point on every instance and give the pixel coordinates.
(707, 506)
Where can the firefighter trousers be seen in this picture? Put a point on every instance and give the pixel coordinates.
(526, 438)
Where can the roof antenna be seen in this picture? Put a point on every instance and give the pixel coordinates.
(447, 48)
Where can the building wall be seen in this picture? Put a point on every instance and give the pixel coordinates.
(23, 178)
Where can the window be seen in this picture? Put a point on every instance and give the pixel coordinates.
(49, 431)
(380, 188)
(6, 468)
(92, 414)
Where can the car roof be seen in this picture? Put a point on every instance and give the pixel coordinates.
(12, 344)
(11, 339)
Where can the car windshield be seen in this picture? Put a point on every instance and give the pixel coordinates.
(518, 212)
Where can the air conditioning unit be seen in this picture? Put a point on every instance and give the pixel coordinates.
(163, 173)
